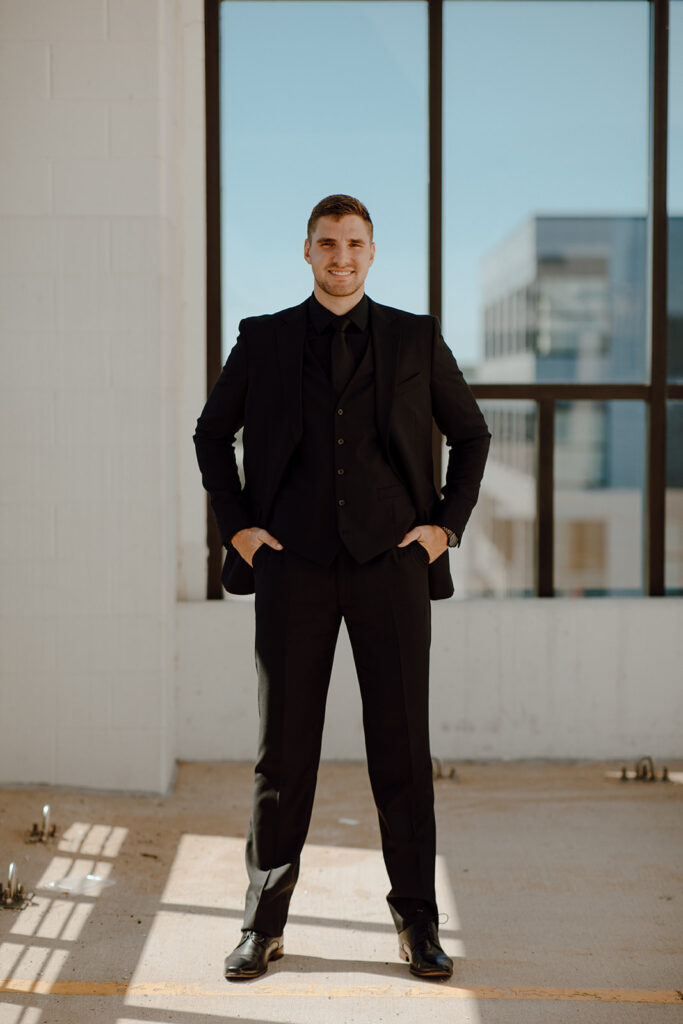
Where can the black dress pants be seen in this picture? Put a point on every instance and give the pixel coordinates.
(299, 607)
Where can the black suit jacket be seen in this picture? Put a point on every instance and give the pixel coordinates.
(416, 378)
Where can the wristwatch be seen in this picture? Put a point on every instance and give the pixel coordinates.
(452, 537)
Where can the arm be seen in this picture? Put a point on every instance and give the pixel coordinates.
(459, 418)
(214, 440)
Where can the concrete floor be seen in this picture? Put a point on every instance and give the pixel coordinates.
(563, 891)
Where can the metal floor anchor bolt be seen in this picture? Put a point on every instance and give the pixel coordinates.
(13, 897)
(45, 832)
(438, 773)
(644, 771)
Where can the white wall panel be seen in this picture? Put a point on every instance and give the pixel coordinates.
(524, 679)
(105, 70)
(27, 301)
(24, 68)
(26, 652)
(133, 20)
(89, 205)
(41, 129)
(25, 187)
(45, 19)
(120, 187)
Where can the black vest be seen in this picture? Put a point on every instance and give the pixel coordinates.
(339, 486)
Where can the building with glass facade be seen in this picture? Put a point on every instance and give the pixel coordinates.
(564, 299)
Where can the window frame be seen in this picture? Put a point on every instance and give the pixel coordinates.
(654, 394)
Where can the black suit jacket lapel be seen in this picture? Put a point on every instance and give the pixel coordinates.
(386, 340)
(290, 340)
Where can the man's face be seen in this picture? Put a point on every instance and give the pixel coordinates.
(340, 252)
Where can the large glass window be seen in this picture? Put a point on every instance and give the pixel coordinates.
(674, 467)
(545, 260)
(545, 149)
(318, 98)
(545, 188)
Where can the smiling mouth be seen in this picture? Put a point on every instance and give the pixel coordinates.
(341, 273)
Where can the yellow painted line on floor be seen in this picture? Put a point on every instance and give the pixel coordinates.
(266, 989)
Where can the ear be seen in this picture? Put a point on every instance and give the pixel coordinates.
(372, 253)
(307, 250)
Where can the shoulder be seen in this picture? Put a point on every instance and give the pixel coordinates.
(269, 321)
(418, 321)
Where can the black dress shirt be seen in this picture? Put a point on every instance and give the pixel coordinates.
(321, 327)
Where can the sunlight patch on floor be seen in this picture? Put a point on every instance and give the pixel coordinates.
(12, 1013)
(340, 940)
(29, 967)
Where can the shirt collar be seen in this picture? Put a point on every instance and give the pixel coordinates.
(321, 318)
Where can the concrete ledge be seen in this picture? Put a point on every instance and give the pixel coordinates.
(510, 679)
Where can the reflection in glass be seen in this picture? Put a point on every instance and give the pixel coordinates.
(675, 194)
(599, 481)
(674, 450)
(497, 558)
(545, 263)
(563, 299)
(318, 98)
(673, 550)
(545, 188)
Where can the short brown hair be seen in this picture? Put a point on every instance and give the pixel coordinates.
(337, 206)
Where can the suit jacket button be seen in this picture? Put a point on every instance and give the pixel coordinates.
(340, 440)
(341, 502)
(340, 472)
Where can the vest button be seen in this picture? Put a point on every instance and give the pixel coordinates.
(340, 472)
(341, 502)
(340, 440)
(340, 412)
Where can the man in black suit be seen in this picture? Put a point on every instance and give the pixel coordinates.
(339, 518)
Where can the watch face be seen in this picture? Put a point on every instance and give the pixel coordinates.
(452, 539)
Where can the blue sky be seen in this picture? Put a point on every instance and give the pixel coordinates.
(545, 111)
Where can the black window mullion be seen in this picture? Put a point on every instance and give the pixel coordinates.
(214, 589)
(435, 14)
(545, 498)
(435, 215)
(657, 269)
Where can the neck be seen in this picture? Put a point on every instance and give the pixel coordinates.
(338, 304)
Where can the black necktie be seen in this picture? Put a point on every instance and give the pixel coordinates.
(343, 361)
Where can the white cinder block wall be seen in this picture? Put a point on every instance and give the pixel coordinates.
(111, 663)
(91, 275)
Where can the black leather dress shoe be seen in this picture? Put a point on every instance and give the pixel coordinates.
(250, 957)
(419, 945)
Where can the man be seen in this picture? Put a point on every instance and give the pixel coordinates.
(339, 518)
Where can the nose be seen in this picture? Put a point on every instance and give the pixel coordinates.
(340, 257)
